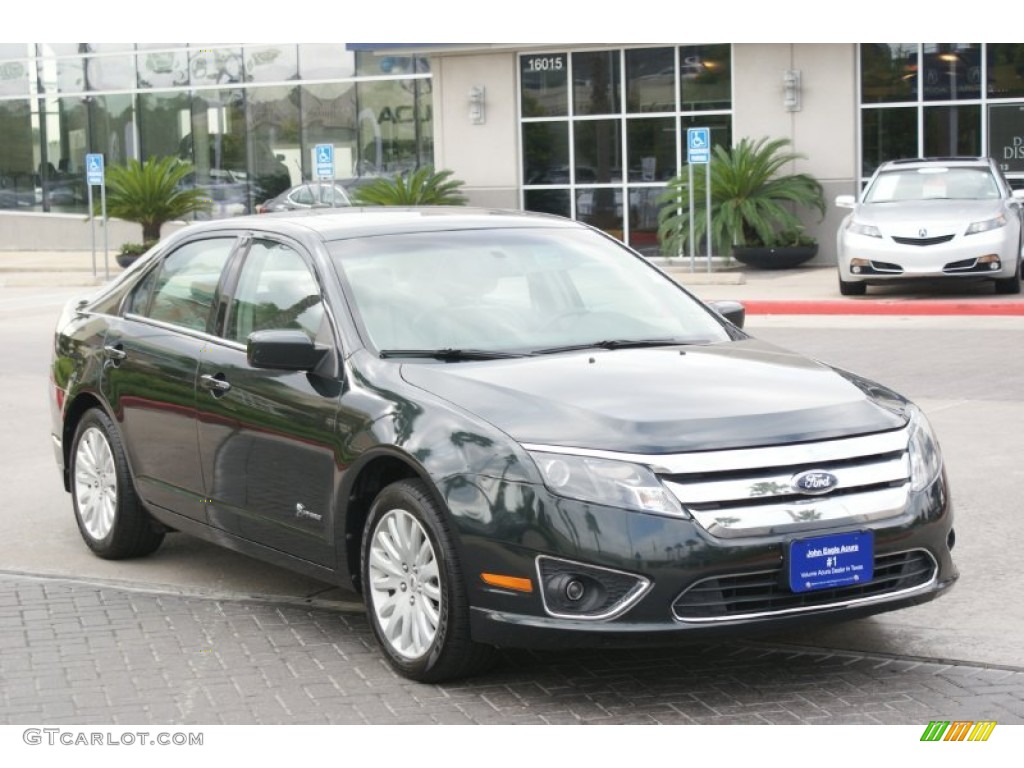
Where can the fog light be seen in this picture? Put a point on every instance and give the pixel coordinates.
(855, 270)
(574, 590)
(579, 591)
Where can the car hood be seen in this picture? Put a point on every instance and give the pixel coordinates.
(664, 400)
(938, 217)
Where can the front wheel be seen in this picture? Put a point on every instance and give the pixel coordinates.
(1009, 284)
(414, 588)
(110, 514)
(848, 288)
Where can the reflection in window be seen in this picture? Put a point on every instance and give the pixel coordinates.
(952, 131)
(185, 287)
(109, 73)
(1005, 70)
(161, 68)
(216, 66)
(705, 75)
(17, 166)
(325, 61)
(598, 149)
(544, 82)
(887, 134)
(14, 76)
(270, 63)
(651, 80)
(952, 71)
(546, 153)
(596, 83)
(888, 72)
(651, 148)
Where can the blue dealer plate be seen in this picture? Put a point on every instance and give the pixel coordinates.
(833, 561)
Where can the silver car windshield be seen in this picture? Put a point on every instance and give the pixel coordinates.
(517, 290)
(933, 183)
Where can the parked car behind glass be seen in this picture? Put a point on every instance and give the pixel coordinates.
(503, 429)
(310, 194)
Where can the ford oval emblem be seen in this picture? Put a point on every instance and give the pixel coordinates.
(815, 482)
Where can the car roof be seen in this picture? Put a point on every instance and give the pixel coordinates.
(352, 222)
(924, 162)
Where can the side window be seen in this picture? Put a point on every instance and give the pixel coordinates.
(276, 290)
(181, 290)
(302, 196)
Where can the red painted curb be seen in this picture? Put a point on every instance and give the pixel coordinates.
(883, 307)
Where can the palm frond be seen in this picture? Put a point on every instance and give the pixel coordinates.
(424, 186)
(152, 193)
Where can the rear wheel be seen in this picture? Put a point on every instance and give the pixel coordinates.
(110, 515)
(847, 288)
(414, 588)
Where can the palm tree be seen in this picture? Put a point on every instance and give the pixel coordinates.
(424, 186)
(152, 193)
(752, 201)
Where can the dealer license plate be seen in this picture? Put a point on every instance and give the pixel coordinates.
(826, 562)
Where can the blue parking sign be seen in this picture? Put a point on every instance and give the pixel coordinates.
(324, 157)
(698, 145)
(94, 169)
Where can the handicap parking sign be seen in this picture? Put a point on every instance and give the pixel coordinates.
(94, 169)
(324, 155)
(698, 145)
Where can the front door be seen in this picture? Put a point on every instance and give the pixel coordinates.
(267, 437)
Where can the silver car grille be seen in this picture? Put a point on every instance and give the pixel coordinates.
(751, 492)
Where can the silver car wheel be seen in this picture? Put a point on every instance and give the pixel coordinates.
(95, 483)
(404, 584)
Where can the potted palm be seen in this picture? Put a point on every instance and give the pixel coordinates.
(424, 186)
(753, 204)
(151, 194)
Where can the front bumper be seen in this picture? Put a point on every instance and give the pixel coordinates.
(881, 260)
(672, 556)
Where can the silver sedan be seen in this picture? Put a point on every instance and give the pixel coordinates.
(948, 218)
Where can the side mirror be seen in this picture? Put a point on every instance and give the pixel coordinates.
(732, 311)
(284, 350)
(846, 201)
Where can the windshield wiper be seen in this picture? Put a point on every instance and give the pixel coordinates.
(450, 354)
(613, 344)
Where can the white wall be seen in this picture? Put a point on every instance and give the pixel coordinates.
(66, 232)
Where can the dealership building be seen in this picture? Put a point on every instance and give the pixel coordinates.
(593, 132)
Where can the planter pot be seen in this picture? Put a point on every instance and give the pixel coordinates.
(125, 260)
(762, 257)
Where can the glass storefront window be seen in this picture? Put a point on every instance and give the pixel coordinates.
(391, 122)
(273, 120)
(651, 148)
(216, 66)
(705, 73)
(888, 72)
(325, 61)
(596, 83)
(371, 64)
(887, 134)
(1005, 70)
(651, 80)
(556, 201)
(544, 85)
(15, 75)
(17, 164)
(331, 115)
(598, 148)
(952, 131)
(161, 68)
(110, 73)
(952, 71)
(271, 63)
(546, 152)
(164, 121)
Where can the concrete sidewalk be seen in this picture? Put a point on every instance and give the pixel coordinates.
(800, 291)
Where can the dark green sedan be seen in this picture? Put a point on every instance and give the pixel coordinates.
(503, 429)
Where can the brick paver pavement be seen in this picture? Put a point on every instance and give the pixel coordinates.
(76, 653)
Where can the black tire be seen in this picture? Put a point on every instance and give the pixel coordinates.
(110, 515)
(1009, 284)
(847, 288)
(406, 517)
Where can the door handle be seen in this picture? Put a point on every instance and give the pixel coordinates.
(218, 386)
(115, 353)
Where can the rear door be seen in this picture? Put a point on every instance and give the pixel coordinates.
(149, 377)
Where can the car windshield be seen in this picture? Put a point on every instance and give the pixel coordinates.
(529, 291)
(933, 183)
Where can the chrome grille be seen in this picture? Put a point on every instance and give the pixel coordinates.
(765, 592)
(750, 492)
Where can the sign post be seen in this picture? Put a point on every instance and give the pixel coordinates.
(323, 161)
(698, 152)
(95, 176)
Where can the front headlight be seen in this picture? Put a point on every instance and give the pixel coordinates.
(603, 481)
(985, 226)
(868, 230)
(925, 457)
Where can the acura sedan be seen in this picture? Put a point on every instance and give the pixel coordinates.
(503, 429)
(933, 218)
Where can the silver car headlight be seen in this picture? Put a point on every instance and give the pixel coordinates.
(868, 230)
(925, 456)
(987, 225)
(603, 481)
